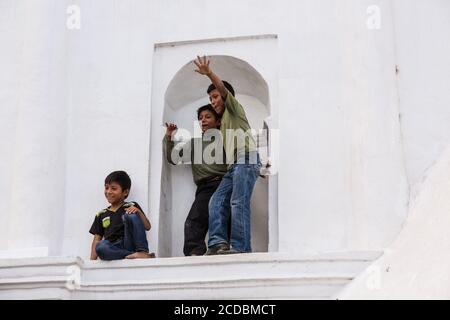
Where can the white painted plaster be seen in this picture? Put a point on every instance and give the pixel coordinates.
(355, 136)
(416, 265)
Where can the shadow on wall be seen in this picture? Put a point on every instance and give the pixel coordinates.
(185, 94)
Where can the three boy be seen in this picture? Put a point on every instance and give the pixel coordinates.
(223, 190)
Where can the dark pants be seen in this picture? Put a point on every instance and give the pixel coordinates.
(196, 224)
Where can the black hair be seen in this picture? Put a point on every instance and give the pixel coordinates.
(226, 84)
(121, 178)
(208, 107)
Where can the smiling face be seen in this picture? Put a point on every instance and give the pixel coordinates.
(216, 101)
(114, 193)
(208, 120)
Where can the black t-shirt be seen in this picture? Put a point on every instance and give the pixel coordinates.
(109, 224)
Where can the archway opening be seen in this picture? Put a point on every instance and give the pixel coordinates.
(184, 95)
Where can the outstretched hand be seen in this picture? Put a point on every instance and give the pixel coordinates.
(204, 69)
(171, 128)
(202, 66)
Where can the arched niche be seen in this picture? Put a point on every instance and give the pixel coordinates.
(185, 93)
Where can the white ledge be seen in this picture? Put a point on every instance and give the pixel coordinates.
(224, 39)
(248, 276)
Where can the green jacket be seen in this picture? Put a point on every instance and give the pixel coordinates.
(235, 130)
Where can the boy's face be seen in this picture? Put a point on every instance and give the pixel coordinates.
(114, 193)
(208, 120)
(216, 101)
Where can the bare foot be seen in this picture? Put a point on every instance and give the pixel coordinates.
(140, 255)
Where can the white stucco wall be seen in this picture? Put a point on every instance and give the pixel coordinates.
(416, 265)
(33, 89)
(424, 73)
(77, 104)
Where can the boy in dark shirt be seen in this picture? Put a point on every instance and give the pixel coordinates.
(119, 230)
(206, 174)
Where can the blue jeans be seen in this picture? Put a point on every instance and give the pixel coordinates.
(233, 197)
(134, 240)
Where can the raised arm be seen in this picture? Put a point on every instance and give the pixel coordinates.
(170, 131)
(182, 148)
(204, 69)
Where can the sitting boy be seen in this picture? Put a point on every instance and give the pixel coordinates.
(122, 225)
(207, 177)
